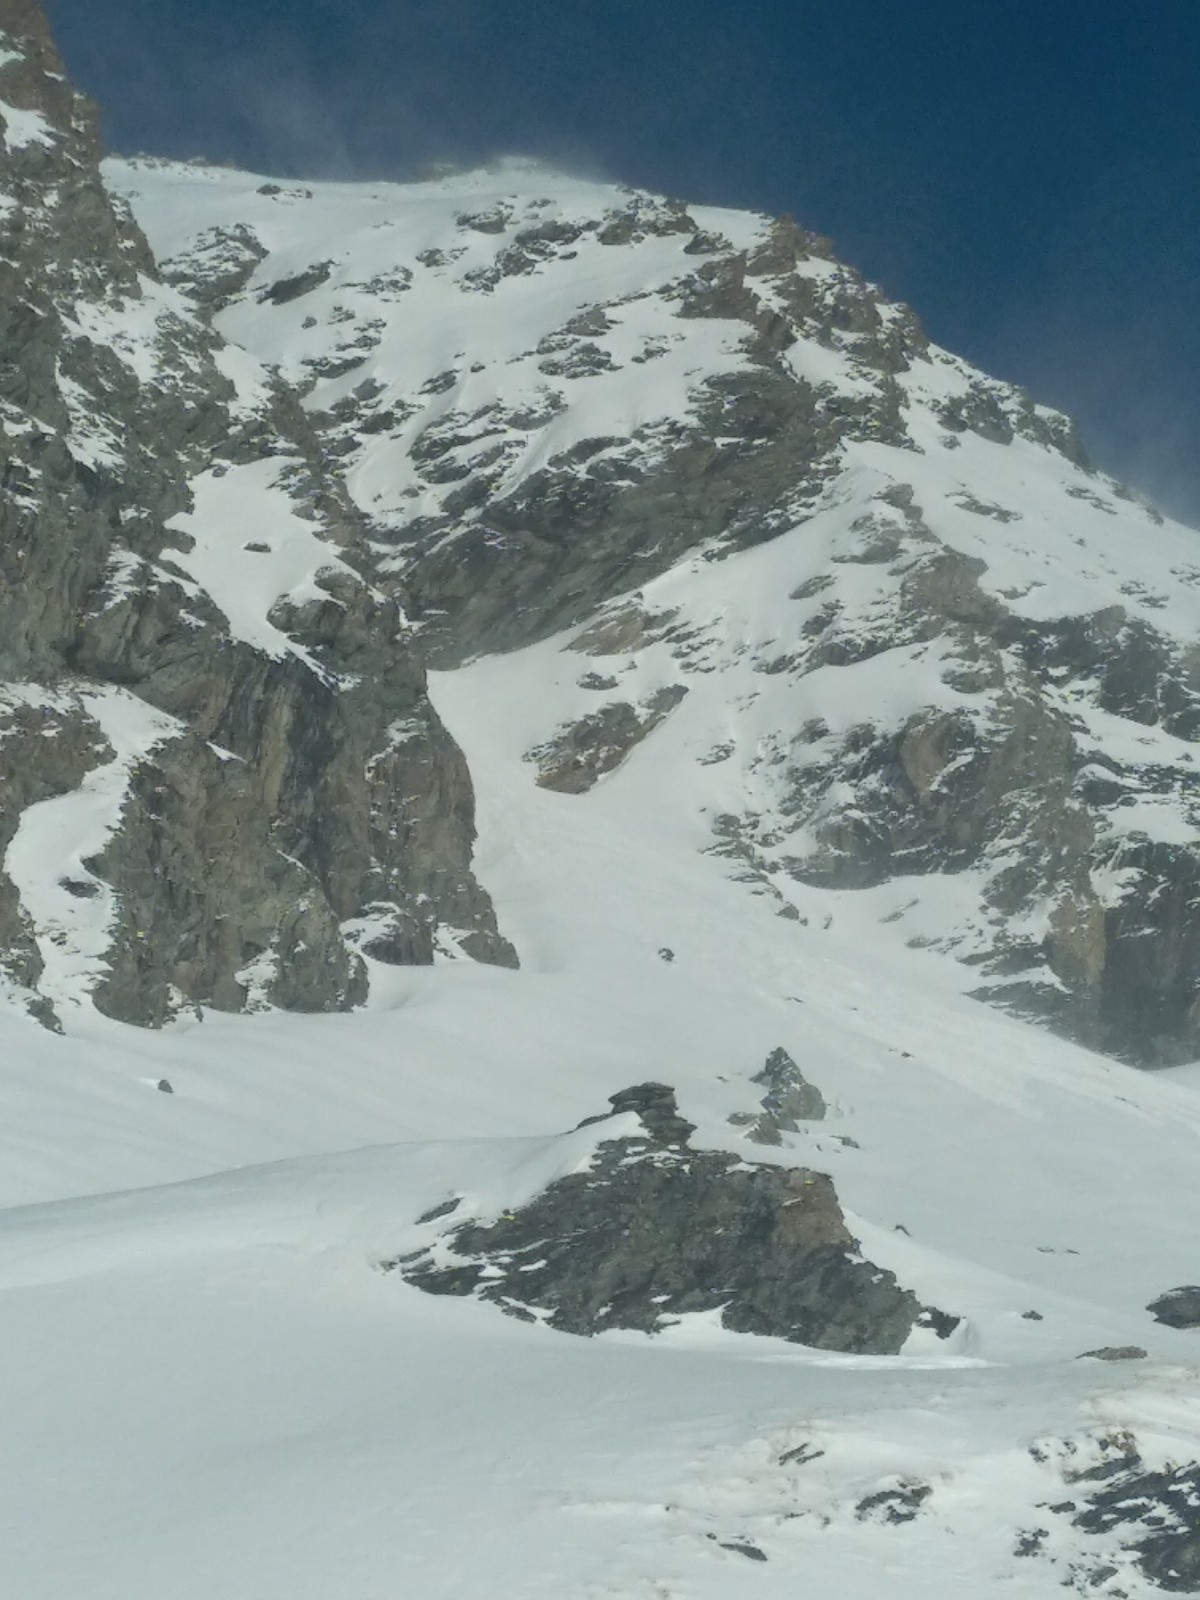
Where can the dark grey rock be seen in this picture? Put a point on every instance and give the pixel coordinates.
(740, 1547)
(1007, 793)
(579, 755)
(1114, 1352)
(284, 290)
(1178, 1308)
(1157, 1513)
(654, 1229)
(898, 1505)
(654, 1104)
(218, 266)
(790, 1099)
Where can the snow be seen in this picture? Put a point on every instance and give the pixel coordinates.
(252, 548)
(70, 908)
(214, 1376)
(433, 323)
(208, 1385)
(24, 128)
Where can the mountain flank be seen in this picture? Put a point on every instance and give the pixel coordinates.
(273, 451)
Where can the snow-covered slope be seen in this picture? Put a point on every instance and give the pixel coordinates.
(228, 1393)
(800, 681)
(930, 656)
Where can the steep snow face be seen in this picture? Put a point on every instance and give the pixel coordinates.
(930, 657)
(443, 315)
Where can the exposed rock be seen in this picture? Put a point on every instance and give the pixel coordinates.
(578, 756)
(1114, 1352)
(790, 1099)
(898, 1505)
(621, 630)
(654, 1105)
(653, 1230)
(218, 266)
(740, 1547)
(1007, 788)
(1178, 1308)
(1157, 1513)
(300, 802)
(284, 290)
(46, 749)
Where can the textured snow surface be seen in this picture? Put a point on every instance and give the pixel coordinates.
(405, 302)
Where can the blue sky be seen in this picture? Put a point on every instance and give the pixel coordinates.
(1025, 172)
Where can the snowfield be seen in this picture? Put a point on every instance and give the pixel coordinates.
(210, 1387)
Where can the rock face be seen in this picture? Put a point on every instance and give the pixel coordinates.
(1153, 1513)
(249, 784)
(790, 1100)
(579, 756)
(1178, 1308)
(943, 663)
(654, 1230)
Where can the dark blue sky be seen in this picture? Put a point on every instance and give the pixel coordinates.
(1025, 172)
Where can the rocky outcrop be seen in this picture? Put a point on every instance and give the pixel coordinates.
(297, 804)
(1018, 775)
(1155, 1514)
(790, 1100)
(1178, 1308)
(578, 756)
(1138, 1517)
(654, 1230)
(494, 535)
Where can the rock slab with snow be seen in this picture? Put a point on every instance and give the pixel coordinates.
(654, 1230)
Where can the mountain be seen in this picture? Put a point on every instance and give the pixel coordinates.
(590, 830)
(934, 657)
(169, 717)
